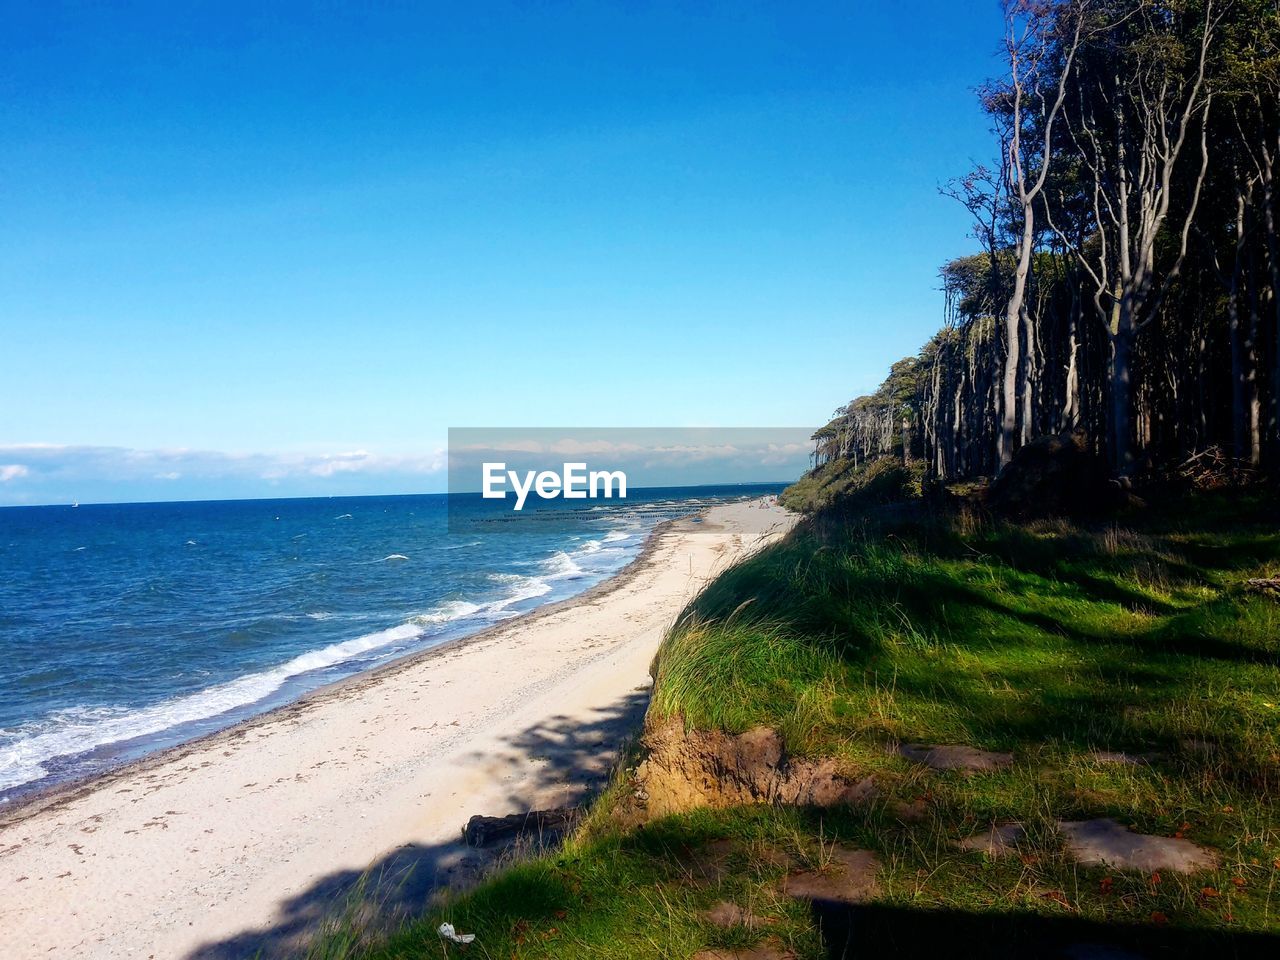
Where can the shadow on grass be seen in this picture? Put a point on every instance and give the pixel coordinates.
(559, 761)
(873, 930)
(1094, 637)
(1185, 632)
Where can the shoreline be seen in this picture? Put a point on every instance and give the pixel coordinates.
(18, 808)
(246, 839)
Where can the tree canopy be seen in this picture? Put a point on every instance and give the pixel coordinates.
(1126, 288)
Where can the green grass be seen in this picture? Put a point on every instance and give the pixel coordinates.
(624, 895)
(1050, 640)
(841, 484)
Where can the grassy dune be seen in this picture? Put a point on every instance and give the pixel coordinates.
(1062, 644)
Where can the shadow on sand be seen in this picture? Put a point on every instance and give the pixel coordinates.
(560, 758)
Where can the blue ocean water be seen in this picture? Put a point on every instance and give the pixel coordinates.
(127, 628)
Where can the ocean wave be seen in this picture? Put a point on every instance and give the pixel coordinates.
(27, 751)
(561, 566)
(448, 612)
(338, 600)
(521, 588)
(463, 546)
(31, 748)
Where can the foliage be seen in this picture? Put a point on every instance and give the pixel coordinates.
(1149, 319)
(840, 484)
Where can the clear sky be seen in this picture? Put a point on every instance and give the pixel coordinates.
(279, 248)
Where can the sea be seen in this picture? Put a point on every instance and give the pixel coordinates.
(128, 628)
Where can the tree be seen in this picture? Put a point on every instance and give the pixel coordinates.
(1026, 105)
(1140, 93)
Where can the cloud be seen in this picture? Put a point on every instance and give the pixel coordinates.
(356, 461)
(69, 469)
(651, 456)
(567, 447)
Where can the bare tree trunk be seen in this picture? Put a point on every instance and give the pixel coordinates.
(1122, 402)
(1273, 259)
(1235, 334)
(1013, 354)
(1027, 53)
(1133, 183)
(1251, 362)
(1070, 419)
(1030, 376)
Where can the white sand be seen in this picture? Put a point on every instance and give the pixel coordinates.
(239, 841)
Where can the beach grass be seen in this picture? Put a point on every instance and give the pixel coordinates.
(1125, 665)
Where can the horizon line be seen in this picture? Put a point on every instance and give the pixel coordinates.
(359, 496)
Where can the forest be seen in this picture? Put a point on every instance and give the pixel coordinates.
(1124, 288)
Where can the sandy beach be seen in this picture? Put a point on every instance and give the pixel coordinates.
(246, 840)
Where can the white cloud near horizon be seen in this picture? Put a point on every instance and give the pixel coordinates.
(650, 456)
(62, 470)
(63, 473)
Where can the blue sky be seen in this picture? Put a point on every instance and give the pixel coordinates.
(243, 243)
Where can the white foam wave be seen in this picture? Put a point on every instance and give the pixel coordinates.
(27, 752)
(72, 732)
(445, 613)
(463, 546)
(561, 566)
(522, 588)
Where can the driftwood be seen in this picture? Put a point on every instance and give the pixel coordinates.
(1269, 585)
(482, 831)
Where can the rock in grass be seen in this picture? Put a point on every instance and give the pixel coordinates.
(482, 831)
(1000, 841)
(726, 914)
(956, 757)
(1266, 585)
(1106, 842)
(769, 950)
(849, 877)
